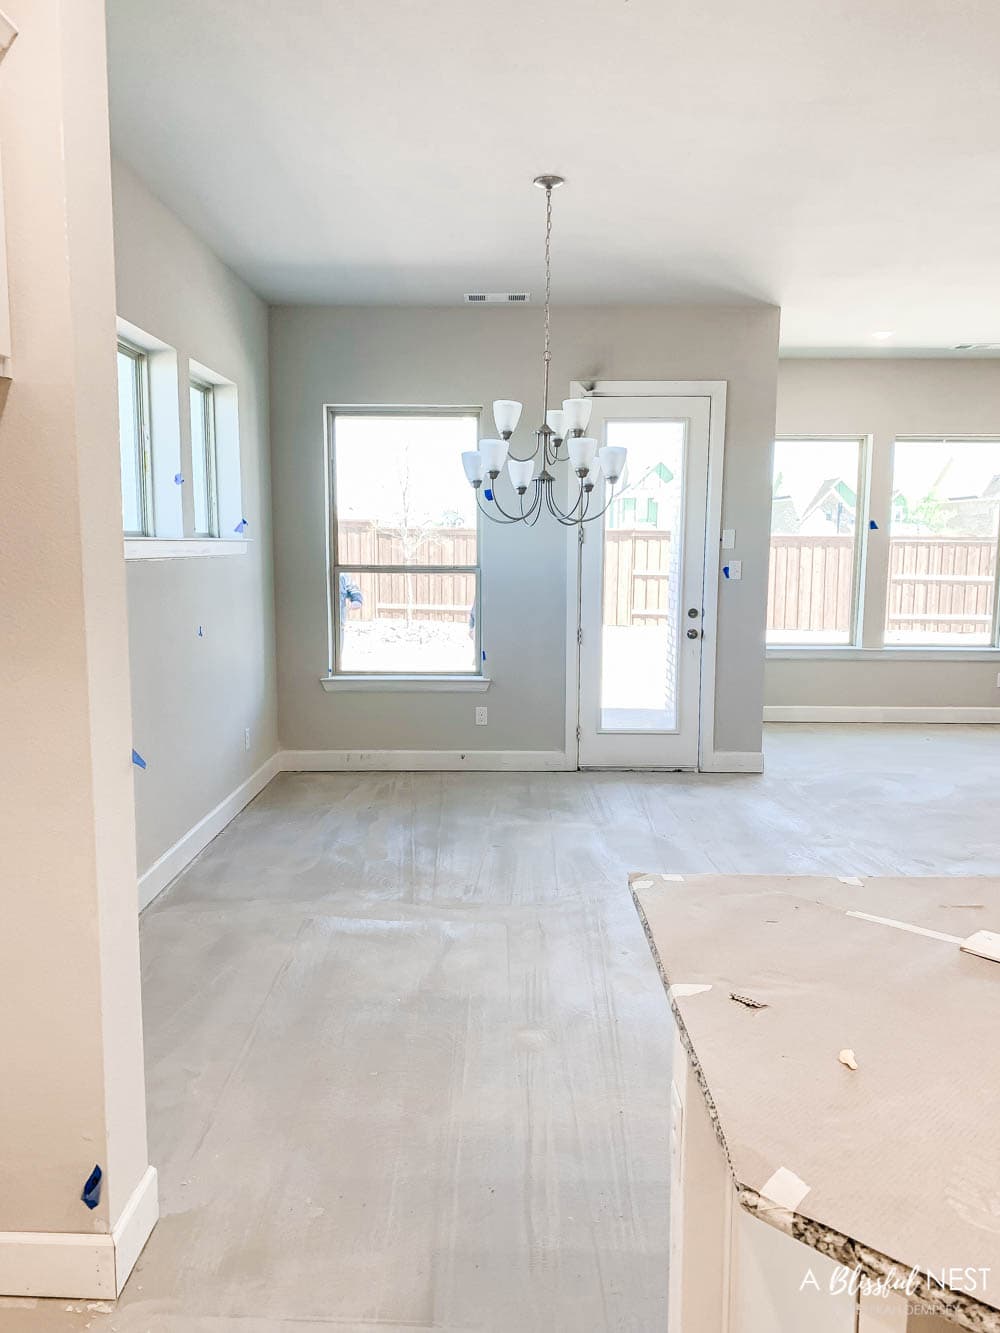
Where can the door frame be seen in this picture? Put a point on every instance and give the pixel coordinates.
(715, 392)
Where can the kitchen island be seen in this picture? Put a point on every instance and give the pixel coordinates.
(835, 1131)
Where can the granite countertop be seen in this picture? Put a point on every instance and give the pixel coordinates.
(890, 1167)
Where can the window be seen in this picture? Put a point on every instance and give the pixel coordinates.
(204, 469)
(133, 440)
(943, 543)
(404, 542)
(817, 516)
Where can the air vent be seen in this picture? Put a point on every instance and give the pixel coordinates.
(497, 298)
(977, 347)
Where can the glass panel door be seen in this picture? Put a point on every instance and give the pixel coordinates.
(643, 540)
(642, 571)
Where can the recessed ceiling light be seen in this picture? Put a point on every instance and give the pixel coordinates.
(884, 333)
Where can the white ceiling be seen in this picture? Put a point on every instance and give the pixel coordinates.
(840, 158)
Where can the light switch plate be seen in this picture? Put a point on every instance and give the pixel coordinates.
(728, 538)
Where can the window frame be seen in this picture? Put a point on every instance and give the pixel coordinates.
(207, 390)
(336, 672)
(993, 645)
(860, 561)
(143, 442)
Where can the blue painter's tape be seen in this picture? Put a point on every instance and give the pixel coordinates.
(179, 478)
(241, 526)
(873, 525)
(138, 760)
(725, 571)
(488, 493)
(484, 654)
(91, 1195)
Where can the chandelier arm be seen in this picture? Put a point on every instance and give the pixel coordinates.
(600, 514)
(511, 518)
(566, 520)
(533, 454)
(535, 508)
(492, 517)
(569, 515)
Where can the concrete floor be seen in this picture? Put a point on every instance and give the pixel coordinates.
(407, 1052)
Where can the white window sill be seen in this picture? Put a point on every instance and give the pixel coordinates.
(178, 548)
(408, 684)
(831, 653)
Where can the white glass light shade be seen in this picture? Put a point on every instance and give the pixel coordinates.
(613, 461)
(554, 419)
(472, 461)
(506, 413)
(576, 413)
(521, 472)
(582, 450)
(494, 454)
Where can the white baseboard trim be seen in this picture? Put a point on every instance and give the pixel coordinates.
(732, 761)
(428, 761)
(154, 880)
(873, 713)
(75, 1265)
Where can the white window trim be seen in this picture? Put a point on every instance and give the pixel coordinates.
(174, 548)
(206, 391)
(955, 650)
(854, 650)
(866, 449)
(407, 684)
(334, 680)
(144, 462)
(850, 653)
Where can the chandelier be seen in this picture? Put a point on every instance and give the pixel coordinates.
(566, 426)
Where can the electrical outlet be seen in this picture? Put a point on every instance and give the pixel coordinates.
(998, 680)
(480, 717)
(246, 739)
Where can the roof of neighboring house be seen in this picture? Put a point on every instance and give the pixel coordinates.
(835, 489)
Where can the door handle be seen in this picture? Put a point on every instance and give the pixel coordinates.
(692, 634)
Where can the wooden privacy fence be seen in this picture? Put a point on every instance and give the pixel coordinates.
(636, 573)
(415, 595)
(809, 583)
(636, 576)
(936, 584)
(941, 585)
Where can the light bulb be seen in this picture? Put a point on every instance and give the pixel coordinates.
(582, 450)
(576, 413)
(613, 461)
(521, 472)
(493, 452)
(472, 461)
(506, 413)
(554, 418)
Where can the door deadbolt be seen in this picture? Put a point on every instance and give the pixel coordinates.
(693, 612)
(692, 633)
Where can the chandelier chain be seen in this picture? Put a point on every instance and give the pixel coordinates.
(548, 316)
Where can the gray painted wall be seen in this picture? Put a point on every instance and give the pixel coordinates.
(192, 697)
(885, 398)
(471, 356)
